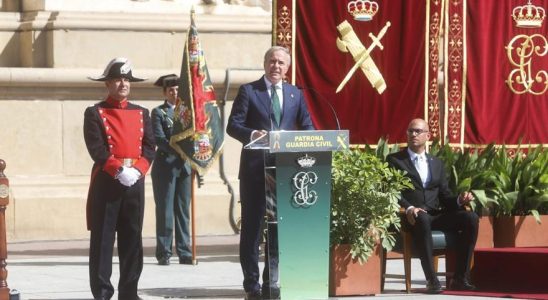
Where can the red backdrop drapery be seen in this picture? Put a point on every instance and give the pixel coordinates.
(320, 66)
(477, 106)
(493, 112)
(486, 110)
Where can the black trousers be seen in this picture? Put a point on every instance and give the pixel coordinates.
(116, 209)
(464, 223)
(252, 194)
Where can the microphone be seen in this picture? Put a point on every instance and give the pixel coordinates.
(333, 112)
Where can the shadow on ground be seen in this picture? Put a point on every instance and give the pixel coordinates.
(206, 250)
(195, 293)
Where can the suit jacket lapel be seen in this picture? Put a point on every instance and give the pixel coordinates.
(262, 95)
(289, 101)
(431, 166)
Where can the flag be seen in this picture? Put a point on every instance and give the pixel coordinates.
(198, 134)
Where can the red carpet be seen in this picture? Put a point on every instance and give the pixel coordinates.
(510, 273)
(497, 295)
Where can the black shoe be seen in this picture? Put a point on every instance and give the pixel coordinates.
(459, 284)
(185, 260)
(122, 297)
(433, 287)
(253, 295)
(163, 261)
(271, 294)
(105, 297)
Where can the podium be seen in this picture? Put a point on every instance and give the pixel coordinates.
(298, 195)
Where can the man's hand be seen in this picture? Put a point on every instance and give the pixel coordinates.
(412, 213)
(465, 198)
(128, 176)
(258, 134)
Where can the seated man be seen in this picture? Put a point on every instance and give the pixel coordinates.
(430, 206)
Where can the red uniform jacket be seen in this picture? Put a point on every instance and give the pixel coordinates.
(116, 133)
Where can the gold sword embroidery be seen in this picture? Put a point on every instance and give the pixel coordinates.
(341, 139)
(349, 41)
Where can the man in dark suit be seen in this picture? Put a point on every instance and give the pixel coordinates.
(119, 139)
(261, 106)
(171, 180)
(430, 206)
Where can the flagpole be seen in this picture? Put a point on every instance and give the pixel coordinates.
(192, 216)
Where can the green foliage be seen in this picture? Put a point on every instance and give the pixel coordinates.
(468, 170)
(382, 149)
(364, 205)
(520, 184)
(503, 184)
(366, 190)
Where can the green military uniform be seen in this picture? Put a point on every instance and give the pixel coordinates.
(171, 181)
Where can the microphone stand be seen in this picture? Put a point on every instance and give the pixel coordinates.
(332, 109)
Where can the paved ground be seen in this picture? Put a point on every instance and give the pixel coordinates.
(59, 270)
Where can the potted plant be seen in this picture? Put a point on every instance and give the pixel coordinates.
(364, 211)
(469, 170)
(382, 149)
(519, 184)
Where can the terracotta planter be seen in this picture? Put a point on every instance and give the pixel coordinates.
(485, 232)
(348, 277)
(520, 231)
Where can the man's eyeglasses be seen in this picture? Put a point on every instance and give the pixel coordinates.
(416, 131)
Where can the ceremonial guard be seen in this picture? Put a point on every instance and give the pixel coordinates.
(171, 181)
(119, 139)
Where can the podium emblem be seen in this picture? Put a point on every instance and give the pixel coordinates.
(305, 196)
(306, 161)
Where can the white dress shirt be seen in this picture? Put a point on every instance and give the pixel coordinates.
(278, 91)
(420, 162)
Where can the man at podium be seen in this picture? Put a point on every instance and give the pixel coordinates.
(262, 106)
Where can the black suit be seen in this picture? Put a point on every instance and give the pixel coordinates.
(252, 111)
(443, 213)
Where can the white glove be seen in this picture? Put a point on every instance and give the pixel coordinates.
(128, 176)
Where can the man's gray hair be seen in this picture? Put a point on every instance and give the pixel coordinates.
(274, 49)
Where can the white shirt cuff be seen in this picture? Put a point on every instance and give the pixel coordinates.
(251, 136)
(409, 208)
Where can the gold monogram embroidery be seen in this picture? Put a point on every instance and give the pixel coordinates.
(522, 79)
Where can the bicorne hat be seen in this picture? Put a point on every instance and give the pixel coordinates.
(168, 81)
(119, 67)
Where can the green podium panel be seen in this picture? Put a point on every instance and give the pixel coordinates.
(303, 203)
(303, 200)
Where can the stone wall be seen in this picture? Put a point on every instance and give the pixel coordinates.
(45, 56)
